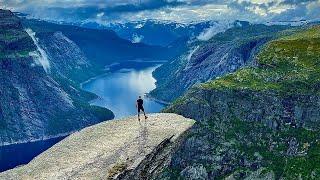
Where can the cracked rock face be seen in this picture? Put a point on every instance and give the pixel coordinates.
(104, 150)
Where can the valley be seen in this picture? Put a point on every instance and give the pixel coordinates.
(226, 98)
(42, 69)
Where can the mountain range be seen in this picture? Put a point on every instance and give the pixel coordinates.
(102, 46)
(43, 64)
(253, 90)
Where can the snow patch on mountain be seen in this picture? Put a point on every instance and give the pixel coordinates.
(138, 26)
(137, 38)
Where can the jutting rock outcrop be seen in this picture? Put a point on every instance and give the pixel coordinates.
(123, 149)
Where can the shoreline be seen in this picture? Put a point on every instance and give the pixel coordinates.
(107, 71)
(91, 79)
(166, 103)
(39, 139)
(147, 95)
(61, 136)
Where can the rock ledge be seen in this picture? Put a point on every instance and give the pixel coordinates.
(104, 150)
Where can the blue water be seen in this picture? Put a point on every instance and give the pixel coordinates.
(119, 90)
(17, 154)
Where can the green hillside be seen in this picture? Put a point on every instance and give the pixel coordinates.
(289, 65)
(14, 42)
(264, 118)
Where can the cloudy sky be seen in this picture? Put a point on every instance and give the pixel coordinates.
(107, 11)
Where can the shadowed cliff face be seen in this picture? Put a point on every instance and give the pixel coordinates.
(66, 58)
(226, 52)
(126, 148)
(260, 121)
(37, 103)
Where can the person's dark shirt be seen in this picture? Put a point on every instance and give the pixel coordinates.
(140, 103)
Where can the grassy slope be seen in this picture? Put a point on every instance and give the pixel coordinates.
(288, 65)
(15, 43)
(274, 158)
(170, 74)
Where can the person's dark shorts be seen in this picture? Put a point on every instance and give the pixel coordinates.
(140, 109)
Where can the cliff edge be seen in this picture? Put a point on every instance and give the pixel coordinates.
(109, 150)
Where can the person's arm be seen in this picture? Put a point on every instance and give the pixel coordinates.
(137, 104)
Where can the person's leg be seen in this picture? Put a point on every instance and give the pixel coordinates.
(144, 114)
(138, 114)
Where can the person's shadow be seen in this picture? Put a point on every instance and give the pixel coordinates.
(143, 137)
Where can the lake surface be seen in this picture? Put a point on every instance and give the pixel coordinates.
(17, 154)
(119, 90)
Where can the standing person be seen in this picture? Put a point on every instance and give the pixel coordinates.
(139, 106)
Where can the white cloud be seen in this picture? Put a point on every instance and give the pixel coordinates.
(281, 8)
(181, 13)
(208, 33)
(257, 10)
(313, 10)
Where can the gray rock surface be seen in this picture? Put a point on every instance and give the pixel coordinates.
(197, 172)
(104, 150)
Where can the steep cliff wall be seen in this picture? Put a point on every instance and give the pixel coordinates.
(67, 59)
(259, 122)
(37, 99)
